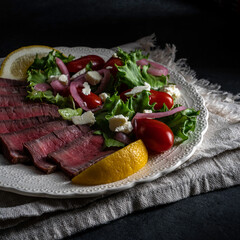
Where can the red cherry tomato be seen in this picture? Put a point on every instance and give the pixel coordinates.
(110, 64)
(80, 63)
(92, 100)
(156, 97)
(160, 98)
(123, 96)
(156, 135)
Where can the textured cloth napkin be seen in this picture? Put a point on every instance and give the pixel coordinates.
(215, 165)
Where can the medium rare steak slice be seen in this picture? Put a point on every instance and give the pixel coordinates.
(11, 82)
(29, 110)
(7, 126)
(39, 148)
(12, 143)
(79, 154)
(13, 90)
(12, 101)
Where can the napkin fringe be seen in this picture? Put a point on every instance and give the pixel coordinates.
(217, 101)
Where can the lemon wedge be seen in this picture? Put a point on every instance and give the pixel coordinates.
(17, 62)
(116, 166)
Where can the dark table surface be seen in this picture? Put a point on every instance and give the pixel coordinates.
(204, 32)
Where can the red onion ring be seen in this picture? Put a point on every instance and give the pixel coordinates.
(142, 62)
(58, 86)
(62, 67)
(122, 137)
(154, 65)
(156, 115)
(42, 87)
(159, 66)
(104, 81)
(156, 72)
(74, 85)
(78, 78)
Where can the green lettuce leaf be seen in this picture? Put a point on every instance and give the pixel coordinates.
(112, 106)
(49, 60)
(156, 82)
(40, 71)
(43, 68)
(115, 106)
(36, 76)
(182, 123)
(110, 142)
(132, 75)
(132, 56)
(140, 102)
(49, 97)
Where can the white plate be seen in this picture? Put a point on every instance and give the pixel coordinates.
(27, 180)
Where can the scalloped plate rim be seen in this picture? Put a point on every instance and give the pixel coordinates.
(128, 185)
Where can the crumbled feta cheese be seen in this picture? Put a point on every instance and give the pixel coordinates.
(147, 111)
(115, 55)
(104, 96)
(93, 77)
(86, 89)
(119, 123)
(172, 90)
(125, 128)
(116, 121)
(138, 89)
(77, 74)
(85, 118)
(63, 79)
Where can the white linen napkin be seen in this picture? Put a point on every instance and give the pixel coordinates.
(215, 165)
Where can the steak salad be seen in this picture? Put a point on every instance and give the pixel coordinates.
(71, 113)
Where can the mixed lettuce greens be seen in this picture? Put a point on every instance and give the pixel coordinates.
(131, 75)
(182, 123)
(40, 71)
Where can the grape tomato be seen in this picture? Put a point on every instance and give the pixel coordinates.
(156, 135)
(155, 97)
(80, 63)
(92, 100)
(111, 65)
(160, 98)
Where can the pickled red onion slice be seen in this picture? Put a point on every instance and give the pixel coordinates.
(62, 67)
(104, 81)
(42, 87)
(58, 86)
(156, 115)
(74, 85)
(155, 69)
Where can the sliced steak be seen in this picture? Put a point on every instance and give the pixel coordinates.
(29, 110)
(12, 101)
(13, 90)
(79, 154)
(7, 126)
(12, 143)
(4, 82)
(39, 149)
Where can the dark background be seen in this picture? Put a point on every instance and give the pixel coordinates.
(206, 33)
